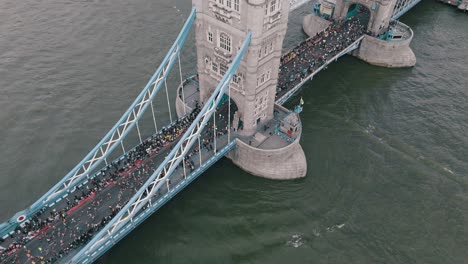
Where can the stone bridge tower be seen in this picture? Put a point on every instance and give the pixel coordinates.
(221, 28)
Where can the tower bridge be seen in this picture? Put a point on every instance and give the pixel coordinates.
(232, 107)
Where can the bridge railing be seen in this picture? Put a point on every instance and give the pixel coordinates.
(112, 139)
(291, 92)
(403, 6)
(167, 167)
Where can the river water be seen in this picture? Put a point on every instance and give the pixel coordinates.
(386, 148)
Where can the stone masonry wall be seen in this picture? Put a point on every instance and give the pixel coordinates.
(278, 164)
(392, 54)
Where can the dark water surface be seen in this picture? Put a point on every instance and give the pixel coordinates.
(386, 148)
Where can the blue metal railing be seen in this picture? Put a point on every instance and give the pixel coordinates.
(398, 14)
(296, 88)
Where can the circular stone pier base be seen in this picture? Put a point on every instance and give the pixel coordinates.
(392, 53)
(284, 163)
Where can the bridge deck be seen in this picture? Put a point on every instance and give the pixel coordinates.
(310, 56)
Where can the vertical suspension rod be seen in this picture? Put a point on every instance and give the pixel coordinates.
(154, 117)
(200, 150)
(214, 129)
(182, 84)
(183, 166)
(138, 130)
(121, 142)
(168, 102)
(229, 114)
(123, 148)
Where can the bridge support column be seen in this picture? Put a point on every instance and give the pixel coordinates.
(278, 164)
(274, 152)
(391, 54)
(394, 52)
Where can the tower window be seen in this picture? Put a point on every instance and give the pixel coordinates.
(210, 36)
(207, 60)
(225, 42)
(229, 3)
(237, 78)
(236, 5)
(222, 68)
(272, 6)
(264, 77)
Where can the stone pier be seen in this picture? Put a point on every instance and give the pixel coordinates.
(393, 52)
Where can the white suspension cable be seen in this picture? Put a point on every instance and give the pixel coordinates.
(154, 117)
(183, 165)
(182, 84)
(168, 102)
(229, 114)
(123, 148)
(200, 150)
(138, 129)
(214, 128)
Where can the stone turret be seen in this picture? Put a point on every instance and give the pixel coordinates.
(221, 28)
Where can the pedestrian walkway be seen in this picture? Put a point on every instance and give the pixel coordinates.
(307, 57)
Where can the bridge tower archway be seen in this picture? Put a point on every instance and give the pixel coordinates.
(236, 112)
(379, 13)
(360, 11)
